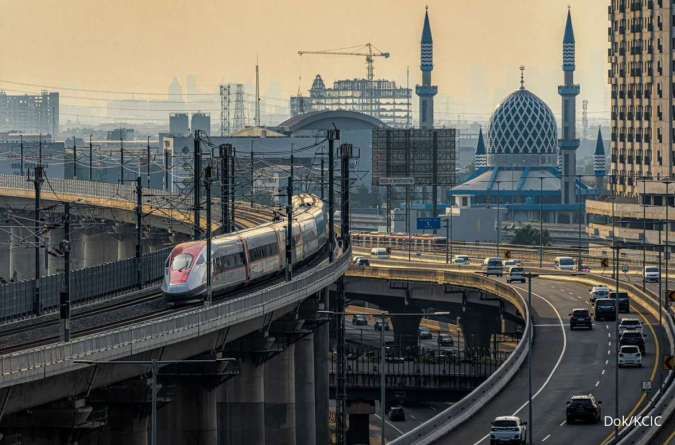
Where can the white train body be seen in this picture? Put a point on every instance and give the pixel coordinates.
(248, 255)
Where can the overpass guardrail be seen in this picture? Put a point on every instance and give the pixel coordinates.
(453, 416)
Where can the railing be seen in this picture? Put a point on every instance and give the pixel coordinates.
(110, 279)
(452, 417)
(55, 359)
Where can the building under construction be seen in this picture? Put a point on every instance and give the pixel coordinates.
(381, 99)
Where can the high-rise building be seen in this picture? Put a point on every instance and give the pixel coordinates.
(179, 124)
(426, 91)
(38, 113)
(641, 75)
(202, 122)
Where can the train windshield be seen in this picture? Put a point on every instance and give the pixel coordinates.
(181, 262)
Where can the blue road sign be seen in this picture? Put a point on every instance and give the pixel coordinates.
(428, 223)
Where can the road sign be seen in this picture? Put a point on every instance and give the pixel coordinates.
(428, 223)
(397, 181)
(669, 362)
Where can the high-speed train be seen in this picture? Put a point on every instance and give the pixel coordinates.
(245, 256)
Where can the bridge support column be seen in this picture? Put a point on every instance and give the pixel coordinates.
(359, 421)
(22, 255)
(305, 412)
(191, 417)
(241, 407)
(280, 398)
(478, 325)
(321, 375)
(99, 248)
(55, 264)
(405, 332)
(5, 242)
(126, 244)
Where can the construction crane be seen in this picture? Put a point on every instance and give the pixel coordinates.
(342, 52)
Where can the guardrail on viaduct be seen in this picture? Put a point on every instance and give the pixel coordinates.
(452, 417)
(54, 359)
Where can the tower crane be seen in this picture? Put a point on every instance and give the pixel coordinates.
(369, 54)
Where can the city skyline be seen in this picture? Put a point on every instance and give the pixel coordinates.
(474, 67)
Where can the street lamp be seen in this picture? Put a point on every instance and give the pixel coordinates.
(383, 373)
(154, 370)
(529, 276)
(667, 182)
(541, 222)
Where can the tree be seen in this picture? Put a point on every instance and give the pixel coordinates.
(529, 236)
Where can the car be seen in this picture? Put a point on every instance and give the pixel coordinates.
(652, 274)
(379, 324)
(360, 320)
(630, 324)
(580, 318)
(356, 259)
(445, 339)
(604, 310)
(362, 262)
(424, 333)
(565, 263)
(516, 273)
(634, 338)
(461, 260)
(380, 252)
(598, 292)
(583, 408)
(630, 355)
(493, 266)
(512, 263)
(396, 414)
(624, 301)
(508, 430)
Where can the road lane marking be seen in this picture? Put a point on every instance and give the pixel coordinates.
(597, 383)
(603, 372)
(557, 363)
(607, 326)
(392, 426)
(609, 352)
(609, 335)
(563, 423)
(545, 438)
(606, 362)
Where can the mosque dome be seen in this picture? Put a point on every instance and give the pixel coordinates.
(522, 132)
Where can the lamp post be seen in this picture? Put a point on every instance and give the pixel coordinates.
(541, 222)
(498, 221)
(154, 366)
(529, 277)
(617, 257)
(383, 373)
(578, 188)
(667, 255)
(644, 233)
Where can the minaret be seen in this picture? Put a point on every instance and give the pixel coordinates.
(480, 158)
(426, 91)
(569, 92)
(600, 164)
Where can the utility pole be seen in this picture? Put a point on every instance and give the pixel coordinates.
(541, 222)
(65, 292)
(225, 186)
(332, 136)
(322, 197)
(139, 231)
(232, 160)
(37, 183)
(74, 159)
(21, 147)
(346, 154)
(207, 187)
(251, 176)
(197, 166)
(91, 159)
(121, 157)
(289, 226)
(148, 166)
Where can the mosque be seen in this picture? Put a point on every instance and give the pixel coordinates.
(524, 168)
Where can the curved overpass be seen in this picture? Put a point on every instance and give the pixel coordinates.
(565, 363)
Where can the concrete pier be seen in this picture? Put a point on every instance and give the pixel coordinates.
(190, 417)
(305, 412)
(321, 382)
(99, 248)
(126, 242)
(241, 407)
(280, 398)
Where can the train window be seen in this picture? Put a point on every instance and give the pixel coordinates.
(200, 260)
(231, 261)
(182, 261)
(261, 252)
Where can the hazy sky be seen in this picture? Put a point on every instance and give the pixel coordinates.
(140, 45)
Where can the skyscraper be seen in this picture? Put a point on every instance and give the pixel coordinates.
(426, 91)
(569, 92)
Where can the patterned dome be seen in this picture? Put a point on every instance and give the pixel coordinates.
(522, 132)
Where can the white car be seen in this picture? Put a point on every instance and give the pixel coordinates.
(599, 292)
(629, 355)
(516, 273)
(565, 263)
(461, 260)
(630, 324)
(508, 429)
(652, 274)
(512, 263)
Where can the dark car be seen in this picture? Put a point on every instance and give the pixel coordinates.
(396, 414)
(634, 338)
(583, 409)
(580, 318)
(445, 340)
(424, 333)
(360, 320)
(379, 324)
(624, 301)
(604, 310)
